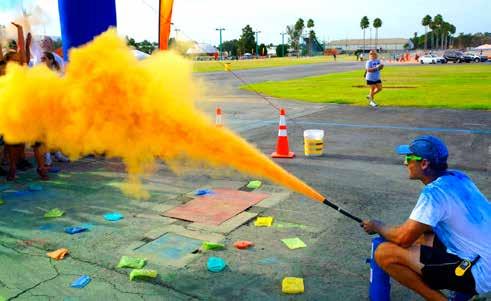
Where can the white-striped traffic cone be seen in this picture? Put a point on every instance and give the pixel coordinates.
(218, 117)
(282, 149)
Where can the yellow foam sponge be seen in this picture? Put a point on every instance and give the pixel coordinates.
(292, 285)
(264, 221)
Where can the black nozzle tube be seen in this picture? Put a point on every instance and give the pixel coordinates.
(342, 211)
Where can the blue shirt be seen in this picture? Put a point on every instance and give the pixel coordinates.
(372, 76)
(461, 218)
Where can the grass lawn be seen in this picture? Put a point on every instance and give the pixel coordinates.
(214, 66)
(443, 86)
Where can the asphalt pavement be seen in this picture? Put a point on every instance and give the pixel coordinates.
(358, 171)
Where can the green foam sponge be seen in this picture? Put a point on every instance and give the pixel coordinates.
(212, 246)
(56, 212)
(254, 184)
(142, 273)
(131, 262)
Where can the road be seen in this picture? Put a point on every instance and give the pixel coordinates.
(359, 171)
(228, 82)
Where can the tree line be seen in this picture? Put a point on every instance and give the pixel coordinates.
(247, 41)
(365, 23)
(440, 34)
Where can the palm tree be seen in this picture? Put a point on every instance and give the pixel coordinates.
(438, 20)
(452, 29)
(426, 22)
(364, 24)
(433, 33)
(445, 28)
(310, 24)
(377, 23)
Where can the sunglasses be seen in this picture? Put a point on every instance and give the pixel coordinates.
(408, 158)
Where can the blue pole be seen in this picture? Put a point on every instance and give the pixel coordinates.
(379, 280)
(82, 20)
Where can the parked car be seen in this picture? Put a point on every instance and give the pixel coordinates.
(454, 56)
(474, 57)
(432, 59)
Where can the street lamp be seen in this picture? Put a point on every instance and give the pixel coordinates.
(283, 44)
(176, 30)
(221, 51)
(257, 43)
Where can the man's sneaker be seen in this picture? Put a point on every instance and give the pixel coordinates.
(373, 104)
(47, 159)
(61, 158)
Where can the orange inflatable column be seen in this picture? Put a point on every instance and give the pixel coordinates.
(165, 11)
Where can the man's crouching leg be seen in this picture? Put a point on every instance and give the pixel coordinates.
(404, 266)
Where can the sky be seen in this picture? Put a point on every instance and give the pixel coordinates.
(198, 19)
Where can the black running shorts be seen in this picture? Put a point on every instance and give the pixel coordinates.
(439, 269)
(373, 82)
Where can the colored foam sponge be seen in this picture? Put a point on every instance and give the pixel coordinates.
(113, 216)
(254, 184)
(212, 246)
(292, 285)
(56, 212)
(243, 244)
(142, 274)
(294, 243)
(200, 192)
(58, 254)
(131, 262)
(75, 230)
(216, 264)
(264, 221)
(81, 282)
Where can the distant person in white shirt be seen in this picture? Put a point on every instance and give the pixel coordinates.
(446, 242)
(49, 58)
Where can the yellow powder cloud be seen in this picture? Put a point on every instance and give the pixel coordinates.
(135, 110)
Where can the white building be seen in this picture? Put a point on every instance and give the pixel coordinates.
(202, 49)
(384, 44)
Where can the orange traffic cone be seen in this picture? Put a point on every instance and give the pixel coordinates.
(218, 117)
(282, 149)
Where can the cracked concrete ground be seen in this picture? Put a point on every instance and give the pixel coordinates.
(359, 171)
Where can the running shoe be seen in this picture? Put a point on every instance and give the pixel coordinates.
(61, 158)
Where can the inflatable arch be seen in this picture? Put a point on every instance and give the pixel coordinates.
(81, 21)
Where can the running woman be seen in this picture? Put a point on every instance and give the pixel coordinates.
(373, 67)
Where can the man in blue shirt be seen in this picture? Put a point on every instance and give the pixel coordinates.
(446, 242)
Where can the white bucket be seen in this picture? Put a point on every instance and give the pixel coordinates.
(313, 142)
